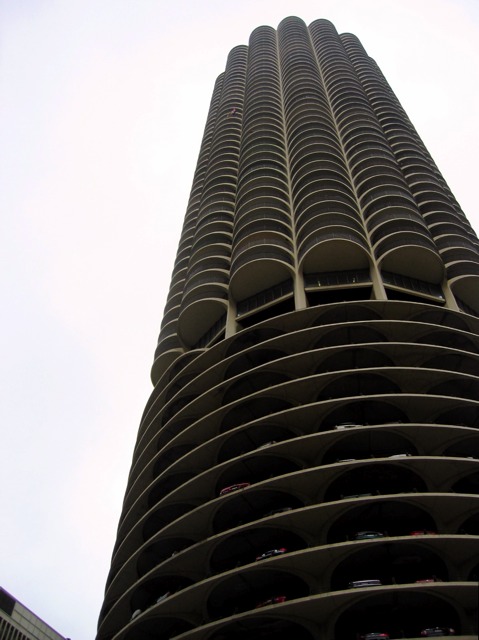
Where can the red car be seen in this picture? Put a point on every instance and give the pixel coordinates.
(423, 532)
(271, 553)
(426, 580)
(273, 600)
(234, 487)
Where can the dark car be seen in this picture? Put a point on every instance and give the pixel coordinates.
(376, 635)
(273, 600)
(271, 553)
(437, 632)
(234, 487)
(367, 535)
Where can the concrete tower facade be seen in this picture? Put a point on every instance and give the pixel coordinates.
(307, 466)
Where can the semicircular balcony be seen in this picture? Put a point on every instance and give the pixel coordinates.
(412, 223)
(210, 277)
(262, 225)
(263, 244)
(318, 140)
(211, 228)
(367, 174)
(220, 252)
(299, 109)
(443, 211)
(264, 202)
(220, 263)
(257, 114)
(408, 253)
(456, 240)
(455, 255)
(452, 225)
(403, 215)
(256, 177)
(172, 314)
(323, 220)
(351, 116)
(262, 193)
(326, 200)
(267, 138)
(313, 166)
(370, 185)
(310, 128)
(266, 215)
(203, 309)
(383, 196)
(219, 183)
(431, 194)
(265, 132)
(302, 194)
(315, 149)
(369, 156)
(210, 242)
(334, 248)
(362, 137)
(464, 279)
(260, 262)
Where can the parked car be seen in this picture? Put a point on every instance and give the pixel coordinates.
(273, 600)
(400, 455)
(423, 532)
(367, 535)
(163, 597)
(271, 553)
(346, 425)
(376, 635)
(426, 580)
(275, 512)
(359, 584)
(437, 631)
(267, 444)
(135, 614)
(234, 487)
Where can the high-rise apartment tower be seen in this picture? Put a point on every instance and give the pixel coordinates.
(307, 467)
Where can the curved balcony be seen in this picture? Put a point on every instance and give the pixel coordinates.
(409, 253)
(322, 221)
(259, 264)
(200, 311)
(334, 248)
(260, 226)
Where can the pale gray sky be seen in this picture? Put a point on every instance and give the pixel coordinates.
(102, 109)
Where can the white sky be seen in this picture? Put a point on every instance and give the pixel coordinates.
(102, 109)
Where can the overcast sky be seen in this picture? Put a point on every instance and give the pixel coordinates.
(102, 110)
